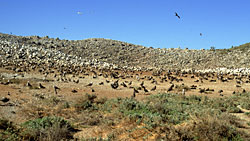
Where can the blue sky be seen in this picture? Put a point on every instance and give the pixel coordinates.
(223, 23)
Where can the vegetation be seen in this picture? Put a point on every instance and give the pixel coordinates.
(164, 116)
(243, 47)
(47, 128)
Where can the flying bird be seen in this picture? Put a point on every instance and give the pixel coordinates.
(79, 13)
(200, 34)
(176, 14)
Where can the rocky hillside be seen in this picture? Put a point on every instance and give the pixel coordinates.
(18, 50)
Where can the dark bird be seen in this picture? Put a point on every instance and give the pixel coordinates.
(202, 91)
(115, 85)
(238, 86)
(170, 88)
(41, 86)
(56, 88)
(28, 84)
(130, 83)
(177, 15)
(243, 91)
(90, 84)
(123, 84)
(74, 91)
(142, 83)
(4, 99)
(77, 81)
(145, 90)
(7, 83)
(134, 93)
(154, 88)
(200, 34)
(220, 91)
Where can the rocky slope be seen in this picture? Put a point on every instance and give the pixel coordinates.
(45, 51)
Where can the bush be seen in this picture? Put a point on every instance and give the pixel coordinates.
(47, 128)
(205, 127)
(8, 131)
(87, 103)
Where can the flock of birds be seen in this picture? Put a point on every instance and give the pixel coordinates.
(126, 79)
(121, 80)
(176, 14)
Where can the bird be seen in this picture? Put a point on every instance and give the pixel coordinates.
(200, 34)
(74, 91)
(176, 14)
(142, 83)
(183, 91)
(154, 88)
(56, 88)
(123, 84)
(115, 85)
(130, 83)
(90, 84)
(28, 84)
(145, 90)
(202, 90)
(134, 93)
(243, 91)
(79, 13)
(41, 86)
(77, 81)
(4, 99)
(220, 91)
(170, 88)
(135, 90)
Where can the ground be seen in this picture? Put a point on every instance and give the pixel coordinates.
(24, 100)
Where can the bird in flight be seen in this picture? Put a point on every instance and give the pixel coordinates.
(200, 34)
(79, 13)
(176, 14)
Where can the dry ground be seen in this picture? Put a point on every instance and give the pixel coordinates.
(23, 99)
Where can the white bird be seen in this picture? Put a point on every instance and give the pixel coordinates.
(79, 13)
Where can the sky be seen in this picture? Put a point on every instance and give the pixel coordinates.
(151, 23)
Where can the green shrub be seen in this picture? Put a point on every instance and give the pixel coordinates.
(8, 131)
(47, 128)
(87, 103)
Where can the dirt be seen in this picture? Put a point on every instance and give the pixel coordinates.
(21, 95)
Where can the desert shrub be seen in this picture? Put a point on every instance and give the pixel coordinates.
(209, 126)
(86, 103)
(8, 131)
(47, 128)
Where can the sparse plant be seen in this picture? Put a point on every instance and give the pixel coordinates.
(86, 103)
(47, 128)
(212, 48)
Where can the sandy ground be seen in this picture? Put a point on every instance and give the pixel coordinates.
(20, 94)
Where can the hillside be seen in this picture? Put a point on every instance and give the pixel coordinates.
(102, 89)
(115, 54)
